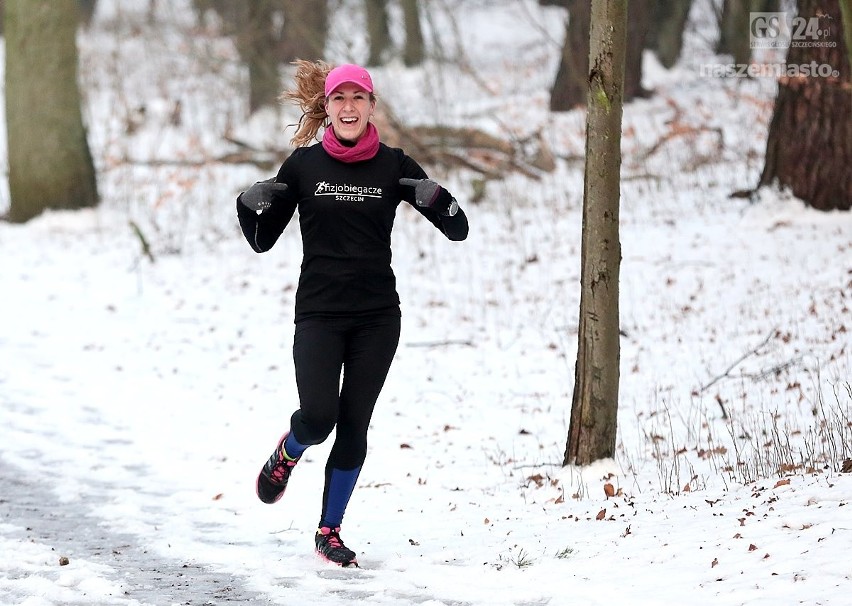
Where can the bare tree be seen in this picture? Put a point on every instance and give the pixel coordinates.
(305, 30)
(594, 409)
(665, 36)
(86, 11)
(766, 6)
(412, 53)
(50, 165)
(570, 86)
(809, 145)
(268, 33)
(734, 30)
(638, 24)
(378, 30)
(255, 40)
(846, 24)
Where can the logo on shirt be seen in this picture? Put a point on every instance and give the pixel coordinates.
(344, 192)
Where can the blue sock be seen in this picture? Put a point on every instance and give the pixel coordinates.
(340, 487)
(292, 448)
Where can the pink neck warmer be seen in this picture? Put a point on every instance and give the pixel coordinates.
(365, 148)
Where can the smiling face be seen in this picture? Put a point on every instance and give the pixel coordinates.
(349, 107)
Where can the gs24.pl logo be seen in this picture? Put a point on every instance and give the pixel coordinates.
(781, 30)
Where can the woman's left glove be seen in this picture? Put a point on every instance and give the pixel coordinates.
(428, 193)
(259, 196)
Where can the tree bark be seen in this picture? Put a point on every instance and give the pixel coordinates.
(846, 12)
(594, 409)
(412, 52)
(254, 40)
(86, 10)
(809, 145)
(638, 25)
(766, 6)
(378, 31)
(570, 86)
(734, 31)
(305, 30)
(666, 36)
(50, 165)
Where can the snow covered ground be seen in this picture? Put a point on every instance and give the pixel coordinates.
(139, 398)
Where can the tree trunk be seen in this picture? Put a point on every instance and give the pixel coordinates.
(305, 30)
(666, 36)
(50, 165)
(846, 24)
(86, 10)
(412, 53)
(594, 409)
(254, 39)
(734, 31)
(377, 30)
(638, 24)
(809, 145)
(571, 86)
(766, 6)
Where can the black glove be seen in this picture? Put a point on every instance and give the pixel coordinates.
(430, 194)
(259, 196)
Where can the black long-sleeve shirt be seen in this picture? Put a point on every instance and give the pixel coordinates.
(346, 214)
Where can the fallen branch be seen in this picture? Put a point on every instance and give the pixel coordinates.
(727, 373)
(469, 148)
(772, 370)
(682, 130)
(679, 128)
(265, 160)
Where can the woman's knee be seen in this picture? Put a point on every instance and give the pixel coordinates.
(310, 429)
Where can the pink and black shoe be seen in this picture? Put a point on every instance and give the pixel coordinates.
(273, 477)
(331, 548)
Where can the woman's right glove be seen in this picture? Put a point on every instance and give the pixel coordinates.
(259, 196)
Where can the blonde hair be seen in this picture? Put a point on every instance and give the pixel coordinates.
(309, 94)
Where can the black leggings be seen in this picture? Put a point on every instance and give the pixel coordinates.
(363, 348)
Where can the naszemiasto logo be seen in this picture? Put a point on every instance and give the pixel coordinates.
(343, 192)
(780, 30)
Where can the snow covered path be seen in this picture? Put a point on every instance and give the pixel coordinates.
(38, 526)
(138, 397)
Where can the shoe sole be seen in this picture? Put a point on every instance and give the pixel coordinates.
(353, 563)
(262, 500)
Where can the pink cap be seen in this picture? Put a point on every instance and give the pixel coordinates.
(348, 73)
